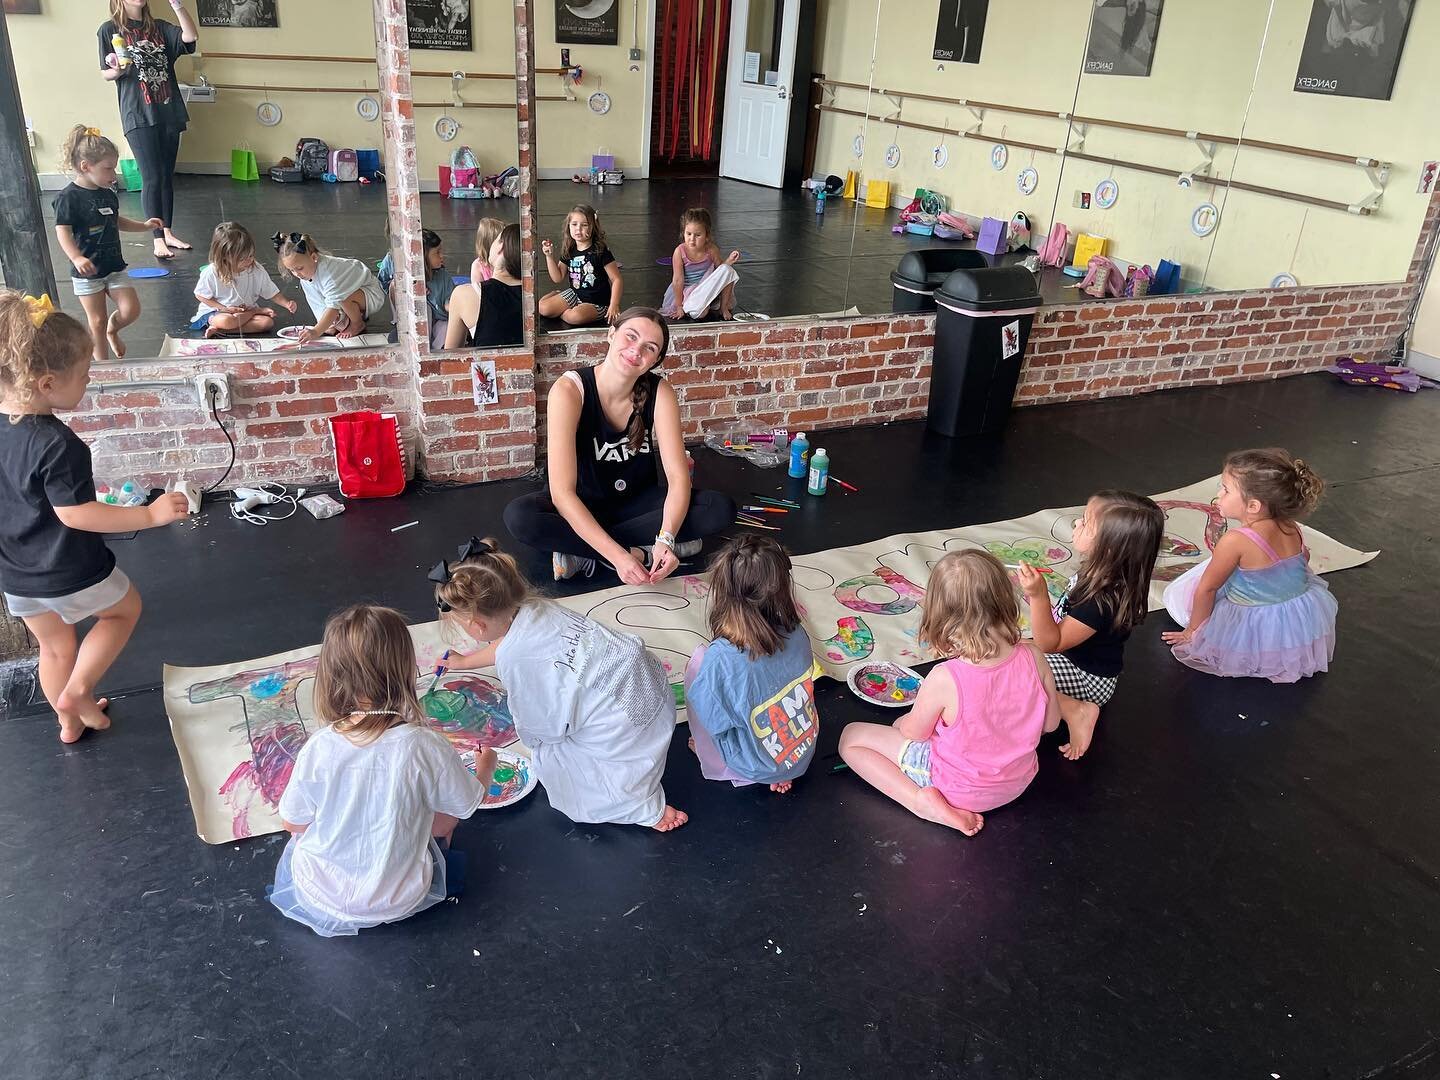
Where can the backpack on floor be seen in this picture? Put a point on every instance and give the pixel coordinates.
(313, 158)
(1057, 242)
(1102, 278)
(344, 165)
(465, 179)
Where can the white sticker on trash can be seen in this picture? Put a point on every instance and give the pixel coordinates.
(1010, 339)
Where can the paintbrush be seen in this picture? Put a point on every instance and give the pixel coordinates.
(1037, 569)
(766, 509)
(440, 667)
(756, 525)
(774, 502)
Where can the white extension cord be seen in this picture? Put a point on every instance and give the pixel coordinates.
(248, 500)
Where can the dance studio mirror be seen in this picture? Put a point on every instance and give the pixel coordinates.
(468, 153)
(716, 112)
(1241, 145)
(266, 75)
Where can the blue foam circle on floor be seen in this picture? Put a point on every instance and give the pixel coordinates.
(148, 272)
(460, 279)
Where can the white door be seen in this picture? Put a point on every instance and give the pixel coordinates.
(758, 89)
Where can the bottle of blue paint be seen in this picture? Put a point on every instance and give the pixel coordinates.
(799, 455)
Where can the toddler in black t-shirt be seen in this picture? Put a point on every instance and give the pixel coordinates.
(1118, 540)
(588, 273)
(88, 223)
(54, 566)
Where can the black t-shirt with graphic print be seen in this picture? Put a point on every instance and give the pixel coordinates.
(149, 92)
(588, 277)
(93, 215)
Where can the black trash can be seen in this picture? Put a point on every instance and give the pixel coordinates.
(920, 273)
(981, 329)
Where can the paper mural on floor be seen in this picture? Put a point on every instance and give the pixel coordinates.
(248, 346)
(238, 727)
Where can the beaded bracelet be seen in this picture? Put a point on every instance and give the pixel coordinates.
(666, 538)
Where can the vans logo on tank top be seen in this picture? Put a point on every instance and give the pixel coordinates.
(619, 451)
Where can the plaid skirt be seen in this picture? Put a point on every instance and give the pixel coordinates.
(1077, 683)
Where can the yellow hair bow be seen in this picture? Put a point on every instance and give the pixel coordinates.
(40, 309)
(94, 132)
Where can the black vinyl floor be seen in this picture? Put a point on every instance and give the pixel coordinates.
(1239, 879)
(793, 261)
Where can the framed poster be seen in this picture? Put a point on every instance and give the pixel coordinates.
(960, 30)
(22, 7)
(1122, 37)
(594, 23)
(1352, 48)
(242, 13)
(440, 24)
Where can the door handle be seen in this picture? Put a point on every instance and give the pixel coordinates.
(783, 94)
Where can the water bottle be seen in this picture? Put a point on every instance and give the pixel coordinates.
(820, 202)
(123, 493)
(799, 455)
(122, 54)
(819, 472)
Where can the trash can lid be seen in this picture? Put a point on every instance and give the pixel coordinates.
(931, 266)
(991, 288)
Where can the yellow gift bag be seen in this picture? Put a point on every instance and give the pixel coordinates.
(1087, 247)
(877, 194)
(852, 181)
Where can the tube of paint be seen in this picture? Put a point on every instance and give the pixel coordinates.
(799, 454)
(819, 472)
(122, 54)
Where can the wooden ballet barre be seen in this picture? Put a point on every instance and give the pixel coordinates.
(297, 89)
(467, 74)
(938, 130)
(464, 104)
(302, 59)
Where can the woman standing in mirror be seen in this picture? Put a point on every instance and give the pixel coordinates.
(488, 313)
(607, 426)
(151, 110)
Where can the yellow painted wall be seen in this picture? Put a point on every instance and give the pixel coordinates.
(1206, 61)
(56, 97)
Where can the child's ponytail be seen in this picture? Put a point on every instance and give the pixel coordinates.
(1308, 486)
(35, 340)
(1284, 485)
(484, 581)
(293, 243)
(85, 146)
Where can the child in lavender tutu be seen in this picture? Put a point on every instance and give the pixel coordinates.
(1255, 608)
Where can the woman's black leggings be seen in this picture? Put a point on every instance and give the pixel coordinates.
(156, 149)
(632, 522)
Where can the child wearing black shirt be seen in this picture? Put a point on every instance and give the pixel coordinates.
(55, 569)
(88, 223)
(589, 273)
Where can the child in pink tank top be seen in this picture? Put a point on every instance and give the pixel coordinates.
(969, 743)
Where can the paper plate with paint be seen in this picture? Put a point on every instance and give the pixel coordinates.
(291, 333)
(892, 685)
(513, 779)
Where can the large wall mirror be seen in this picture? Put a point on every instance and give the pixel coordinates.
(265, 75)
(690, 133)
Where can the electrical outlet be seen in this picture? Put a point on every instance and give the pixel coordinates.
(215, 383)
(637, 54)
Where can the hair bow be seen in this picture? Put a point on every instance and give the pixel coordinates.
(40, 309)
(441, 574)
(93, 132)
(278, 239)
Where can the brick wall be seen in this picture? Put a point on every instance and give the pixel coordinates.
(806, 374)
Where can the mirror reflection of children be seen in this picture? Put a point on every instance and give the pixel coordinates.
(375, 794)
(54, 566)
(343, 293)
(704, 280)
(750, 693)
(490, 314)
(1118, 540)
(88, 223)
(231, 287)
(969, 743)
(594, 706)
(593, 280)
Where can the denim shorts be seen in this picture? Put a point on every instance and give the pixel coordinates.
(914, 761)
(93, 286)
(202, 321)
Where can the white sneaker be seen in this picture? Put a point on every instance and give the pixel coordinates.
(564, 567)
(687, 548)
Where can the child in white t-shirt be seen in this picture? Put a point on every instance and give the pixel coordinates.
(231, 287)
(375, 794)
(343, 293)
(592, 704)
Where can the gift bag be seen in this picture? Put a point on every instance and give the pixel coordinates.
(445, 181)
(994, 237)
(368, 162)
(877, 194)
(242, 165)
(1167, 279)
(852, 183)
(369, 460)
(130, 170)
(1088, 246)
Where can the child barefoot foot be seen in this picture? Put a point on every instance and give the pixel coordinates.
(1081, 719)
(83, 709)
(931, 806)
(671, 819)
(782, 787)
(71, 727)
(117, 347)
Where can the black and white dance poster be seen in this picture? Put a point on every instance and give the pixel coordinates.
(22, 7)
(440, 24)
(242, 13)
(960, 30)
(1352, 48)
(594, 23)
(1122, 37)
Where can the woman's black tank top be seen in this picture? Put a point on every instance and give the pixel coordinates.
(500, 321)
(606, 467)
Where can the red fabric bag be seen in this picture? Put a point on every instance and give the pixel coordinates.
(369, 460)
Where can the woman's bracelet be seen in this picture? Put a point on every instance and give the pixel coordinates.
(176, 6)
(666, 538)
